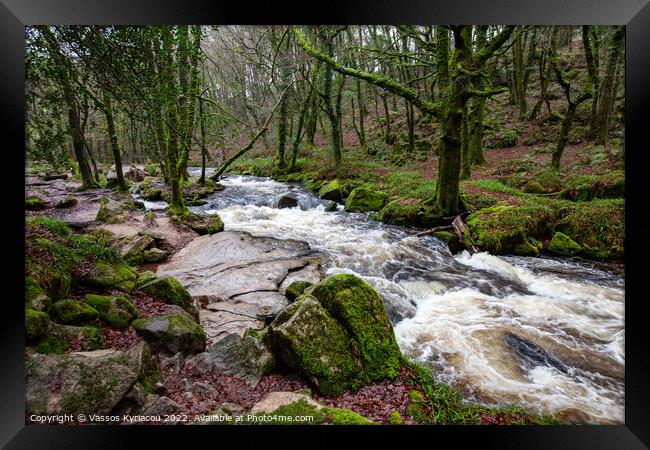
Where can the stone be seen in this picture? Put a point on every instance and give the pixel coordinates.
(287, 201)
(331, 206)
(34, 203)
(110, 211)
(72, 312)
(172, 333)
(118, 312)
(331, 191)
(168, 289)
(295, 289)
(106, 275)
(154, 255)
(307, 339)
(564, 245)
(362, 200)
(81, 382)
(163, 406)
(35, 296)
(133, 251)
(274, 400)
(67, 202)
(244, 357)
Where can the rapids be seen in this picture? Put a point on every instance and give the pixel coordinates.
(541, 332)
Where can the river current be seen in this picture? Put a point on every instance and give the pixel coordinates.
(540, 332)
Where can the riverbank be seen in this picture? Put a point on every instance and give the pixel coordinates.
(249, 211)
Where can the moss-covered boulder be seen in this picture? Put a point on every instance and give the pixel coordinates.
(67, 202)
(295, 289)
(358, 307)
(534, 188)
(331, 191)
(118, 312)
(564, 245)
(168, 289)
(34, 203)
(201, 224)
(502, 229)
(106, 275)
(82, 382)
(133, 252)
(37, 324)
(152, 194)
(110, 211)
(35, 296)
(598, 226)
(306, 338)
(154, 255)
(172, 333)
(363, 199)
(61, 338)
(407, 211)
(72, 312)
(530, 247)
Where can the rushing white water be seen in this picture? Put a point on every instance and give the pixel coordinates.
(544, 333)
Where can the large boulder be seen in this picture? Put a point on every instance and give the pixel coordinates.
(154, 255)
(362, 200)
(172, 333)
(245, 357)
(359, 308)
(104, 275)
(131, 173)
(83, 382)
(202, 224)
(287, 201)
(118, 312)
(338, 335)
(331, 191)
(307, 339)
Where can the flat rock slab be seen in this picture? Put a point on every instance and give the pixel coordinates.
(246, 273)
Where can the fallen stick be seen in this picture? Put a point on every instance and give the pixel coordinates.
(461, 230)
(432, 230)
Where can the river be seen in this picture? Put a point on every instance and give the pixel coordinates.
(540, 332)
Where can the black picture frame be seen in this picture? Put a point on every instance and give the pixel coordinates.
(634, 14)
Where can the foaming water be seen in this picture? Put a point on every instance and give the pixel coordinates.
(544, 333)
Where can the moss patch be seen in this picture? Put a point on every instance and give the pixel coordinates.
(118, 312)
(362, 199)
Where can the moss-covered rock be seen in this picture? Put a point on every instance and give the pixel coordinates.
(534, 188)
(201, 224)
(72, 312)
(295, 289)
(403, 211)
(168, 289)
(105, 275)
(331, 191)
(35, 296)
(172, 333)
(307, 339)
(361, 311)
(363, 199)
(37, 324)
(395, 418)
(110, 211)
(530, 247)
(154, 255)
(152, 194)
(34, 203)
(118, 312)
(598, 226)
(564, 245)
(296, 412)
(67, 202)
(501, 229)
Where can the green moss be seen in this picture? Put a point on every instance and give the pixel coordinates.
(172, 333)
(361, 311)
(118, 312)
(598, 226)
(215, 224)
(168, 289)
(444, 236)
(295, 289)
(34, 203)
(52, 344)
(564, 245)
(299, 410)
(501, 229)
(341, 416)
(405, 211)
(37, 324)
(94, 337)
(534, 188)
(395, 418)
(331, 191)
(362, 199)
(307, 339)
(72, 312)
(35, 296)
(106, 275)
(152, 194)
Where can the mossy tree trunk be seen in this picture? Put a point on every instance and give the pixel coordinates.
(112, 136)
(605, 109)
